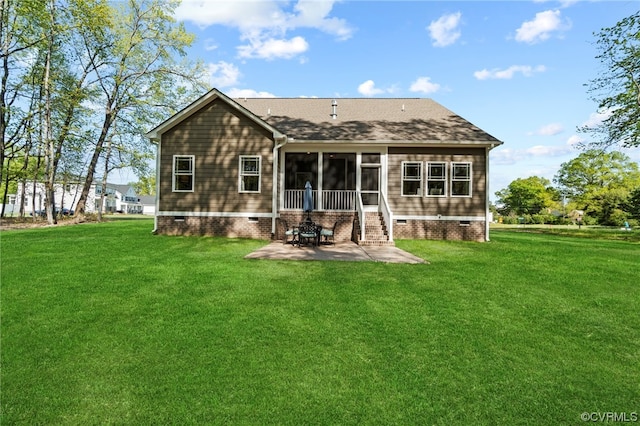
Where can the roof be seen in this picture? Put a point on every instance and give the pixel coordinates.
(147, 199)
(123, 189)
(356, 120)
(365, 119)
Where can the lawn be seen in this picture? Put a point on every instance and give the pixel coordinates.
(107, 323)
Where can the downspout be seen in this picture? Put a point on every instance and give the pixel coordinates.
(486, 185)
(157, 201)
(274, 195)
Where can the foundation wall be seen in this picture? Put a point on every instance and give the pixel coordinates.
(232, 227)
(440, 230)
(260, 228)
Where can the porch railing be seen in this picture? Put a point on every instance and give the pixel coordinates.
(386, 214)
(361, 217)
(339, 200)
(293, 199)
(331, 200)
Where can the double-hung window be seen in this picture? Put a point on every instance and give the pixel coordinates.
(250, 166)
(411, 178)
(436, 179)
(460, 179)
(183, 173)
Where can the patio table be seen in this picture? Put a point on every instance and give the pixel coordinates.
(307, 231)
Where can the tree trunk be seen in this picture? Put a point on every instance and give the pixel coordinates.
(50, 171)
(23, 185)
(82, 202)
(104, 179)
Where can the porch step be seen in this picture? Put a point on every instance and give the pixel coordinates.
(375, 231)
(377, 243)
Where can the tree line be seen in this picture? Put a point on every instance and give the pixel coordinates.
(81, 82)
(596, 187)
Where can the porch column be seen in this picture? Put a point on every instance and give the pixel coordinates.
(320, 183)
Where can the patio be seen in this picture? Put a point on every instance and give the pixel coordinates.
(346, 251)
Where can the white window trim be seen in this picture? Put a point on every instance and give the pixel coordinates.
(470, 179)
(241, 173)
(192, 173)
(428, 178)
(403, 179)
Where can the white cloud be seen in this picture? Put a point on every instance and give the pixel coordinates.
(273, 48)
(563, 3)
(210, 44)
(424, 85)
(248, 93)
(264, 24)
(314, 14)
(596, 118)
(240, 14)
(444, 31)
(548, 151)
(498, 74)
(368, 88)
(541, 27)
(223, 74)
(507, 156)
(575, 140)
(550, 129)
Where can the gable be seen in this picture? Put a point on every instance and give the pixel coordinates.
(203, 102)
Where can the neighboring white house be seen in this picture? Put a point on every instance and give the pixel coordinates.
(118, 198)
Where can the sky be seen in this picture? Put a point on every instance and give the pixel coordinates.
(516, 69)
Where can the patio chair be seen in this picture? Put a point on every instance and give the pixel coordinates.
(307, 233)
(289, 232)
(329, 233)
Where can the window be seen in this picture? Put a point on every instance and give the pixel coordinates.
(370, 158)
(436, 179)
(460, 179)
(411, 178)
(249, 173)
(183, 172)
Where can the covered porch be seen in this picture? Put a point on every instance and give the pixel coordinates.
(338, 180)
(344, 185)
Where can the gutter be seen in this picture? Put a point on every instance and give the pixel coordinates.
(486, 210)
(274, 195)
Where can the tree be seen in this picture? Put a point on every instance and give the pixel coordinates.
(599, 182)
(617, 88)
(146, 184)
(633, 204)
(139, 77)
(526, 196)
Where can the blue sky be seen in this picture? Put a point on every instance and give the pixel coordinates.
(517, 69)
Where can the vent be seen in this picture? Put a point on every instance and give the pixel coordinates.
(334, 109)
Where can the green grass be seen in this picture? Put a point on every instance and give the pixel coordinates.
(106, 323)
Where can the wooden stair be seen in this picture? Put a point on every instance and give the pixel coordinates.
(376, 233)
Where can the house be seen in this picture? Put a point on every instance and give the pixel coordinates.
(118, 198)
(382, 168)
(148, 204)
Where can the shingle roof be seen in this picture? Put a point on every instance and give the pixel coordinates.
(365, 119)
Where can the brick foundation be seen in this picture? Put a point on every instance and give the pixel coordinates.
(440, 230)
(344, 229)
(233, 227)
(260, 228)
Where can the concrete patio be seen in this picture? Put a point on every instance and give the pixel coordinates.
(346, 251)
